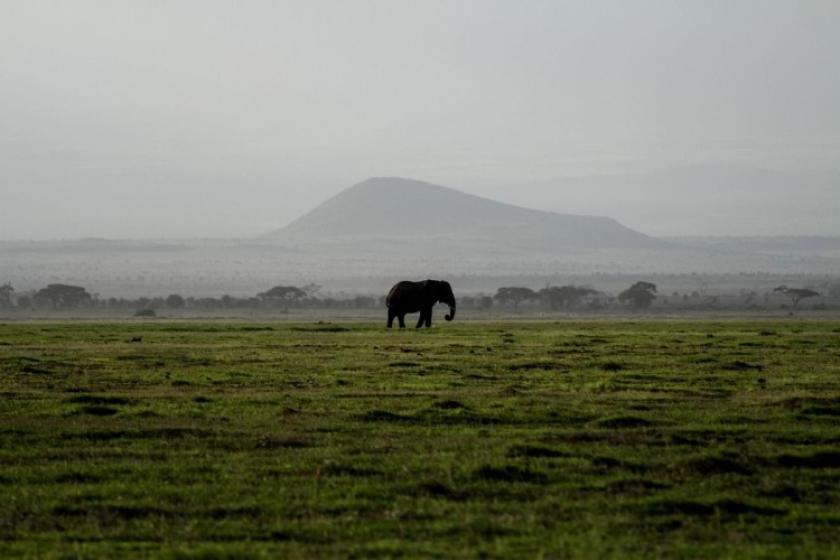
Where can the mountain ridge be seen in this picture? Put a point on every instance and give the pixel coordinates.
(397, 207)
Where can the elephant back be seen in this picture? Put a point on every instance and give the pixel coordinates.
(401, 290)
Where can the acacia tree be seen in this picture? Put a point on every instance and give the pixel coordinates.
(6, 292)
(311, 290)
(61, 296)
(514, 295)
(175, 301)
(564, 296)
(640, 295)
(284, 295)
(796, 294)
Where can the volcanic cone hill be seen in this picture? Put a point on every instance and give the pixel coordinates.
(393, 210)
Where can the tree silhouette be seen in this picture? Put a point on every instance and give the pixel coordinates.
(514, 295)
(6, 291)
(283, 295)
(61, 296)
(796, 294)
(564, 296)
(175, 301)
(311, 290)
(640, 295)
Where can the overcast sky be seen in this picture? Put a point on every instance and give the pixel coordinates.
(180, 118)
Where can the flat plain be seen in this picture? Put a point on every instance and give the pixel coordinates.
(594, 439)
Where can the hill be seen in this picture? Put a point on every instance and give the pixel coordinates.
(390, 210)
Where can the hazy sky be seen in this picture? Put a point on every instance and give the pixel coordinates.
(181, 118)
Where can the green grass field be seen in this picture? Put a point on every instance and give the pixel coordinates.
(553, 439)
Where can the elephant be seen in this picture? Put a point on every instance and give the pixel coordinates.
(411, 297)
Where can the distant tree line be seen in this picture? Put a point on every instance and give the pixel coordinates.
(284, 298)
(641, 295)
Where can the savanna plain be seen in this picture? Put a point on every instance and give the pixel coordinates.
(572, 438)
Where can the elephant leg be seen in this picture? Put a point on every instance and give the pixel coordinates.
(391, 316)
(401, 317)
(421, 319)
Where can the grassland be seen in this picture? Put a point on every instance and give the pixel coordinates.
(556, 439)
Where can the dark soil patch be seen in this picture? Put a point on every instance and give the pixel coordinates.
(382, 416)
(137, 512)
(510, 473)
(439, 490)
(796, 402)
(283, 443)
(70, 511)
(677, 507)
(820, 411)
(34, 370)
(704, 360)
(162, 433)
(624, 422)
(528, 366)
(728, 507)
(349, 470)
(77, 478)
(481, 377)
(739, 365)
(611, 463)
(124, 512)
(667, 525)
(634, 485)
(450, 405)
(98, 410)
(716, 465)
(612, 366)
(820, 460)
(98, 399)
(236, 511)
(784, 491)
(735, 507)
(404, 364)
(450, 417)
(535, 452)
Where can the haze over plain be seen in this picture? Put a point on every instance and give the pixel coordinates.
(192, 119)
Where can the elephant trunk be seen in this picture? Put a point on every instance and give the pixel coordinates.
(451, 314)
